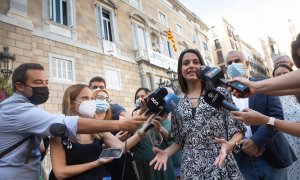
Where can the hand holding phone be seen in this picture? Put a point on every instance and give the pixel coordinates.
(111, 153)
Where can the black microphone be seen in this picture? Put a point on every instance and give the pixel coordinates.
(61, 130)
(216, 76)
(171, 101)
(155, 106)
(217, 100)
(159, 91)
(58, 129)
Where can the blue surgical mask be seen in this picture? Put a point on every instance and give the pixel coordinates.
(236, 70)
(101, 106)
(137, 103)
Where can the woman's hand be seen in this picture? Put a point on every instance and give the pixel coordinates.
(157, 123)
(154, 121)
(250, 117)
(102, 161)
(122, 135)
(160, 159)
(245, 81)
(226, 147)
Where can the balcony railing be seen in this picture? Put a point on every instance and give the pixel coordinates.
(156, 59)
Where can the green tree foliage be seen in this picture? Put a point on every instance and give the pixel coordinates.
(5, 86)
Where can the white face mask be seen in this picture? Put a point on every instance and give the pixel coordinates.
(87, 108)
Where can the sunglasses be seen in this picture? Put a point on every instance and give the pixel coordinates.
(235, 61)
(100, 97)
(97, 87)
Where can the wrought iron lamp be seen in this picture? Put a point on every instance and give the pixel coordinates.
(6, 62)
(172, 83)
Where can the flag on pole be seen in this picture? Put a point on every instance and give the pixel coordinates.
(171, 38)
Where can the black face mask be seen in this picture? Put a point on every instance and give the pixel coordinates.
(39, 95)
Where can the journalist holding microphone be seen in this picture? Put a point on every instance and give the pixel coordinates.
(287, 84)
(199, 129)
(22, 123)
(265, 154)
(81, 159)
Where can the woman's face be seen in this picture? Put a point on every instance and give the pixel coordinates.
(84, 95)
(280, 71)
(141, 95)
(190, 63)
(103, 96)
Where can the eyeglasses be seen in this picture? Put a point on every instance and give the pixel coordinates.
(97, 87)
(100, 97)
(235, 61)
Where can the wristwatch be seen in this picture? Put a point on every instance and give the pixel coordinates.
(270, 125)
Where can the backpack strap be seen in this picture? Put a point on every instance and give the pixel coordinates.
(30, 148)
(10, 149)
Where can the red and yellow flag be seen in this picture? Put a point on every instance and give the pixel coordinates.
(171, 38)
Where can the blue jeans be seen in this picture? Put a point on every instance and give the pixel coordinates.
(258, 168)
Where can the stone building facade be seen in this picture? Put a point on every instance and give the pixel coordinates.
(124, 41)
(224, 39)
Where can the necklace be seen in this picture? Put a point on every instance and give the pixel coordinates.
(193, 97)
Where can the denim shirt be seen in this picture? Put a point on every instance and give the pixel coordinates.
(19, 119)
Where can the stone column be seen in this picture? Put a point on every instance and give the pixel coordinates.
(152, 82)
(143, 75)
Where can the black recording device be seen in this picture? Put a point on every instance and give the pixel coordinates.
(61, 130)
(158, 92)
(216, 76)
(217, 99)
(58, 129)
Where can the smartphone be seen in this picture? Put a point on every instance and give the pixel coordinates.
(111, 153)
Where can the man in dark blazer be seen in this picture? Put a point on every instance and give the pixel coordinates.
(265, 153)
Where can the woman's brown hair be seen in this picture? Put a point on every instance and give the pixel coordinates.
(282, 65)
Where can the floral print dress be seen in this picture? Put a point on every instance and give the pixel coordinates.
(195, 134)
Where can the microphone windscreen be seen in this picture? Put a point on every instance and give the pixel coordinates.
(156, 103)
(171, 102)
(58, 129)
(214, 98)
(162, 91)
(201, 72)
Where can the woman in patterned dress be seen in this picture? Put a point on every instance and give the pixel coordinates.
(199, 129)
(291, 107)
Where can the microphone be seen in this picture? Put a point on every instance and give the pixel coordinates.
(61, 130)
(155, 106)
(58, 129)
(171, 101)
(154, 101)
(216, 76)
(217, 100)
